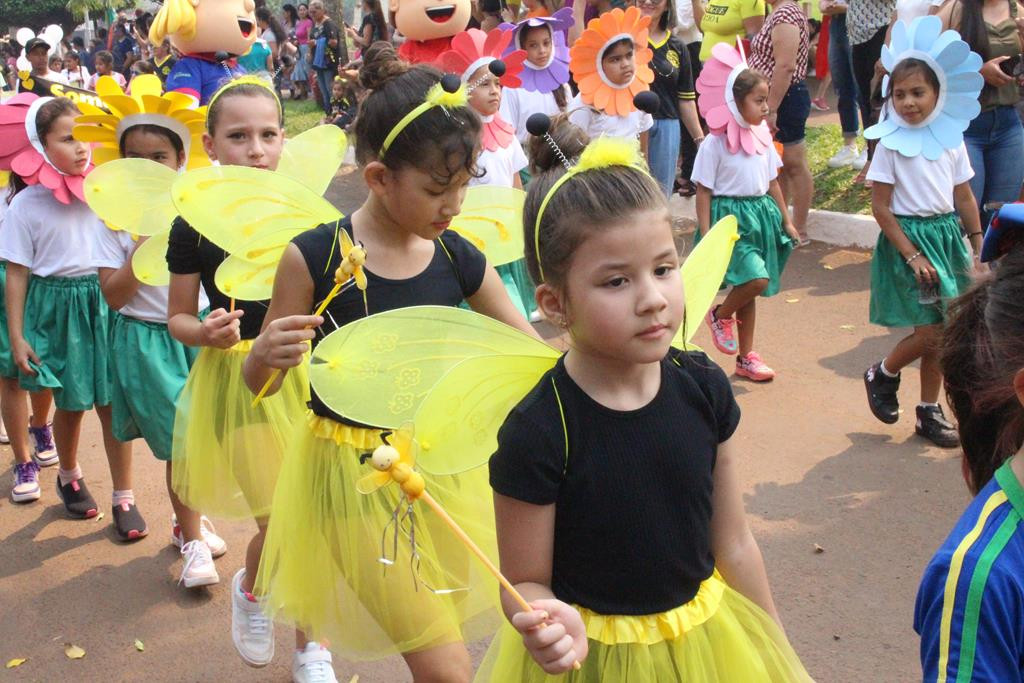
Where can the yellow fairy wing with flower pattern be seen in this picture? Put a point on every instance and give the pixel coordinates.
(132, 195)
(377, 370)
(233, 205)
(149, 262)
(457, 423)
(492, 219)
(248, 274)
(702, 274)
(314, 156)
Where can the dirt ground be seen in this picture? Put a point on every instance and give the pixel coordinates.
(847, 512)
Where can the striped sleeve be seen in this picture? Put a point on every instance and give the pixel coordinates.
(969, 606)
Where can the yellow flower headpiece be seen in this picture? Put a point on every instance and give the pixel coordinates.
(449, 93)
(246, 80)
(147, 104)
(604, 152)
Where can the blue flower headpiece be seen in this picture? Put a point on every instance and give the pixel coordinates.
(960, 83)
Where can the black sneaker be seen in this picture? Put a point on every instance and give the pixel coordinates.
(882, 399)
(77, 501)
(933, 425)
(128, 523)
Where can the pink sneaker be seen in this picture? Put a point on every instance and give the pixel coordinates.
(753, 368)
(820, 104)
(721, 332)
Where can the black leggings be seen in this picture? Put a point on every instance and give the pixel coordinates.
(864, 56)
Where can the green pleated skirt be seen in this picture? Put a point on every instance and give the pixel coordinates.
(8, 369)
(67, 324)
(146, 389)
(763, 247)
(894, 289)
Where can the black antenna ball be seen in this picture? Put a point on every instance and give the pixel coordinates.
(646, 101)
(497, 67)
(451, 83)
(538, 124)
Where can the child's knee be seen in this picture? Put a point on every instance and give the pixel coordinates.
(759, 285)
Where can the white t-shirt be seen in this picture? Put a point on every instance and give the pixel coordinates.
(596, 123)
(78, 78)
(113, 250)
(518, 104)
(55, 77)
(501, 165)
(734, 175)
(49, 238)
(908, 10)
(921, 187)
(116, 75)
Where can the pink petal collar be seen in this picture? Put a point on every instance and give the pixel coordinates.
(497, 133)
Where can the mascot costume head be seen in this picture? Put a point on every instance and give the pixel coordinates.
(428, 26)
(209, 34)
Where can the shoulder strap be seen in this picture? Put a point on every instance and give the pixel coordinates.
(455, 265)
(565, 426)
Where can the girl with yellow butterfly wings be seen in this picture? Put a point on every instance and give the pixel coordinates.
(417, 143)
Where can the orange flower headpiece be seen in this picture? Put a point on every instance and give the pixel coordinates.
(585, 57)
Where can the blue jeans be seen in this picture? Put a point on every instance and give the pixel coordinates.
(841, 67)
(324, 80)
(995, 145)
(663, 151)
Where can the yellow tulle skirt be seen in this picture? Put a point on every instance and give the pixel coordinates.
(321, 568)
(226, 453)
(719, 636)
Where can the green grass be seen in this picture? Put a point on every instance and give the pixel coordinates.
(834, 188)
(300, 116)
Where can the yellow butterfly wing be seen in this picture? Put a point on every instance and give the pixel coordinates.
(248, 274)
(457, 423)
(313, 157)
(233, 205)
(702, 274)
(149, 262)
(132, 195)
(373, 481)
(492, 219)
(377, 370)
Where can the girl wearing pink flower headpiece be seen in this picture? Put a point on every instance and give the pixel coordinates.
(736, 172)
(57, 318)
(501, 153)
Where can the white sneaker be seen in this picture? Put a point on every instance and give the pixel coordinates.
(218, 546)
(313, 665)
(861, 161)
(197, 568)
(846, 155)
(251, 629)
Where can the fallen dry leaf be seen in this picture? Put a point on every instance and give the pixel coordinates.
(16, 662)
(139, 645)
(354, 679)
(792, 301)
(846, 327)
(72, 651)
(101, 516)
(818, 549)
(828, 267)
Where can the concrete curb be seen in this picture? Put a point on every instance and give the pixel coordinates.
(830, 227)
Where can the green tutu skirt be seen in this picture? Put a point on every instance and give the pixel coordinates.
(67, 324)
(894, 289)
(718, 637)
(519, 286)
(8, 369)
(333, 565)
(226, 451)
(763, 247)
(146, 389)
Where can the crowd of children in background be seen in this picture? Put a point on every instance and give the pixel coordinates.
(600, 264)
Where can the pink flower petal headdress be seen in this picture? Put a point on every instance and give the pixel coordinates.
(718, 105)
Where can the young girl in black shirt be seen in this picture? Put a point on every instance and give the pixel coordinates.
(321, 557)
(617, 492)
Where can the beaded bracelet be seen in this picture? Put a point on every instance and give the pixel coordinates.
(909, 260)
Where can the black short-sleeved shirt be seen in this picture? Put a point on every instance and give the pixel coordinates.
(378, 32)
(673, 76)
(632, 495)
(454, 274)
(188, 253)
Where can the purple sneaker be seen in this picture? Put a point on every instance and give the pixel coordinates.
(44, 452)
(26, 482)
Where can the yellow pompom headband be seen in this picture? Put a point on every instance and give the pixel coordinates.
(604, 152)
(449, 93)
(247, 80)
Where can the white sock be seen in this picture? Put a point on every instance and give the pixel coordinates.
(126, 496)
(68, 476)
(885, 370)
(925, 404)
